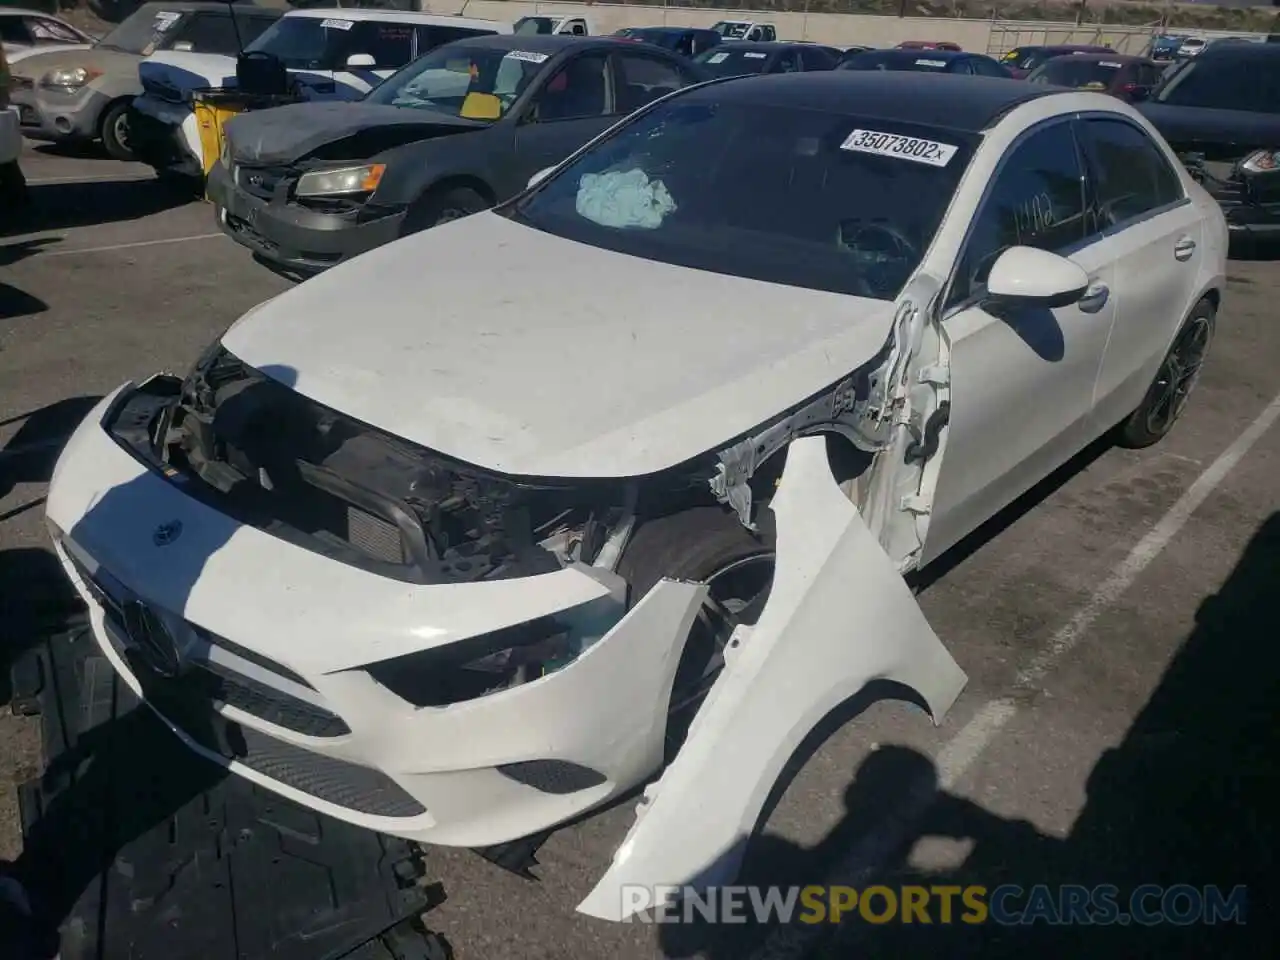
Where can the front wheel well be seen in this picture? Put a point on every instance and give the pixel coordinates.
(107, 108)
(459, 182)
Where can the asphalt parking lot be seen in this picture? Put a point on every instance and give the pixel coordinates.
(1118, 628)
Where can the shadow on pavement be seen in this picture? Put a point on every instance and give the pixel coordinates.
(29, 455)
(61, 206)
(1188, 798)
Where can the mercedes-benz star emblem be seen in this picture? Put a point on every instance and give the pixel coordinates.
(166, 533)
(151, 640)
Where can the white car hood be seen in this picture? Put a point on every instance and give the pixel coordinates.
(16, 54)
(528, 354)
(186, 71)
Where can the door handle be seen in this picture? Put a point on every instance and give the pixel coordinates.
(1095, 298)
(1183, 249)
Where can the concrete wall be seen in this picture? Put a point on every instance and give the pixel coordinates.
(838, 29)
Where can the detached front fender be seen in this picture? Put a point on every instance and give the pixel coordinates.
(838, 617)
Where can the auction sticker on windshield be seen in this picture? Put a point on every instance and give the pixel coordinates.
(718, 58)
(931, 63)
(755, 56)
(526, 55)
(337, 24)
(904, 148)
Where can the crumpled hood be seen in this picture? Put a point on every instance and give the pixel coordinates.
(185, 71)
(38, 61)
(283, 134)
(1180, 125)
(519, 351)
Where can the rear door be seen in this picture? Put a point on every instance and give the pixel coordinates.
(1155, 235)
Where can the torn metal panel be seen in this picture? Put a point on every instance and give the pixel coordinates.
(868, 407)
(839, 616)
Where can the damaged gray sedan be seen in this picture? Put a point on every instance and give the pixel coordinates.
(616, 483)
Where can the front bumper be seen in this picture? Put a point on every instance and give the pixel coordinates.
(296, 711)
(290, 235)
(1245, 215)
(60, 116)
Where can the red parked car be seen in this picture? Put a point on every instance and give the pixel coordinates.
(1130, 78)
(928, 45)
(1020, 61)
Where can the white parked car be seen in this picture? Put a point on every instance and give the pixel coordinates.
(1192, 46)
(443, 545)
(36, 30)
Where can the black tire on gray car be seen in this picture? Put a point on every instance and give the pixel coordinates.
(705, 545)
(1177, 376)
(441, 206)
(114, 131)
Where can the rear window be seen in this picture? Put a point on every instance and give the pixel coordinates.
(837, 203)
(1224, 83)
(732, 63)
(1073, 72)
(920, 60)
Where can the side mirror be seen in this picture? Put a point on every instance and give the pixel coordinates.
(1026, 275)
(538, 177)
(184, 46)
(361, 61)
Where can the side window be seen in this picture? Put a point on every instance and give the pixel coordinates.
(390, 44)
(1129, 173)
(642, 79)
(964, 67)
(13, 30)
(986, 68)
(50, 31)
(769, 33)
(788, 62)
(578, 90)
(578, 28)
(703, 41)
(816, 60)
(1036, 200)
(209, 33)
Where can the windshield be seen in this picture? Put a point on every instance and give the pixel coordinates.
(731, 29)
(479, 83)
(1224, 83)
(1023, 58)
(889, 60)
(732, 63)
(143, 31)
(1071, 72)
(803, 197)
(304, 43)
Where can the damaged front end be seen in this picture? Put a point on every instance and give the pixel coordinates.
(1247, 189)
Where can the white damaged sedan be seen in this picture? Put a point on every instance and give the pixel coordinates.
(616, 484)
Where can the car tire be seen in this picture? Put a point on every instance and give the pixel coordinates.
(1179, 370)
(441, 206)
(114, 131)
(14, 193)
(704, 545)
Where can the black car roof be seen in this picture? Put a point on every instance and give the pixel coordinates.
(1095, 57)
(1240, 51)
(767, 46)
(964, 103)
(666, 30)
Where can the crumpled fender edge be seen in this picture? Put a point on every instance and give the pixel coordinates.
(838, 617)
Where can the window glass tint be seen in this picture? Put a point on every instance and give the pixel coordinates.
(821, 216)
(1037, 200)
(251, 28)
(734, 61)
(1077, 72)
(814, 59)
(430, 36)
(643, 79)
(209, 33)
(1130, 175)
(1226, 83)
(787, 62)
(897, 60)
(305, 43)
(703, 40)
(577, 90)
(145, 30)
(480, 83)
(390, 44)
(13, 30)
(51, 31)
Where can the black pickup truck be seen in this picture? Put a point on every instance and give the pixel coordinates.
(1220, 112)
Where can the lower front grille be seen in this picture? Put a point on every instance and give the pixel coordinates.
(343, 784)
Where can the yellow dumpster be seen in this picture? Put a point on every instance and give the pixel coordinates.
(214, 106)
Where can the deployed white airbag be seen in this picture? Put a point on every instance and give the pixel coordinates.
(628, 199)
(839, 616)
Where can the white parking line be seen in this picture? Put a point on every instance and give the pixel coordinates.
(125, 246)
(963, 750)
